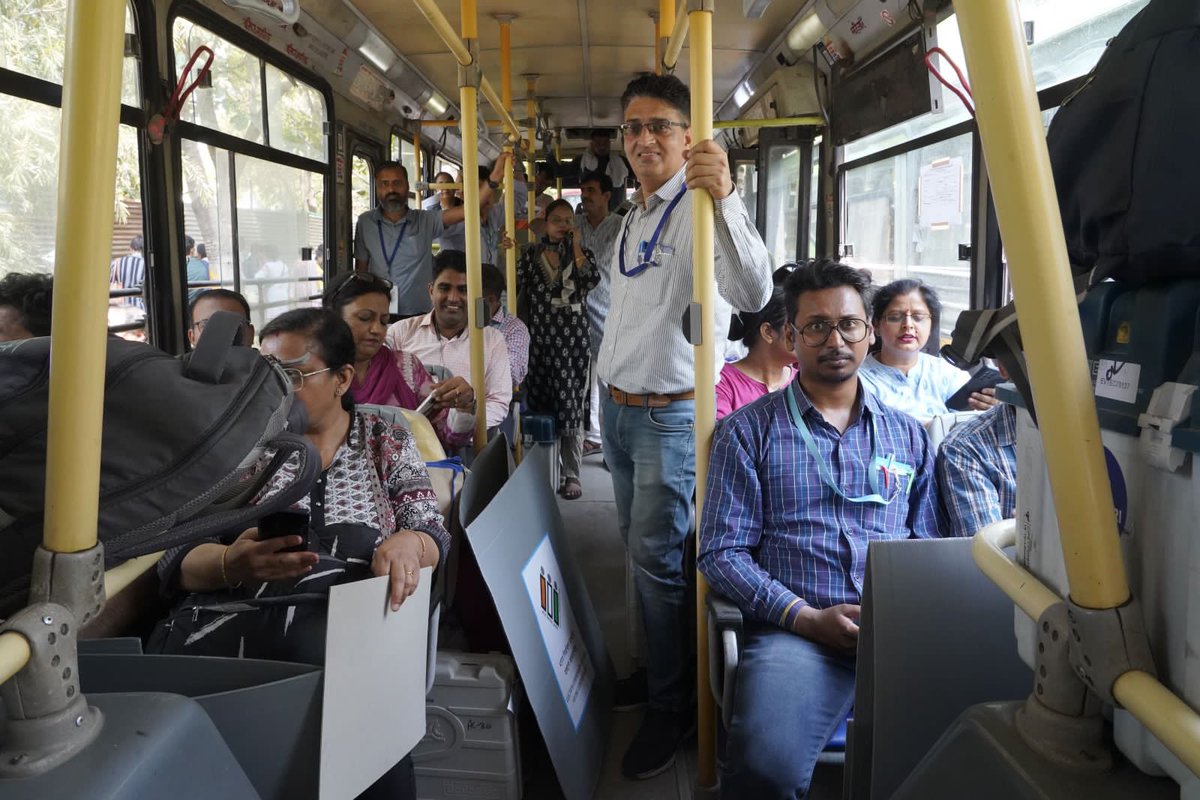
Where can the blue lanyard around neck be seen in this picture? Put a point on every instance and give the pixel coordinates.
(823, 468)
(390, 257)
(647, 255)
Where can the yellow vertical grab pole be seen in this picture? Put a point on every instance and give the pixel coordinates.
(1014, 146)
(87, 168)
(531, 115)
(417, 165)
(557, 161)
(666, 23)
(703, 282)
(468, 90)
(510, 193)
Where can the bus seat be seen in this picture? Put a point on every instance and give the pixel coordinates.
(725, 637)
(942, 424)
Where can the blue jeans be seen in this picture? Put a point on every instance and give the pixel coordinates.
(791, 696)
(651, 453)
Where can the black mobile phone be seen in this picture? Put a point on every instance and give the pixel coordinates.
(285, 523)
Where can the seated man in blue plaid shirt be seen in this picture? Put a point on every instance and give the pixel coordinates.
(799, 483)
(977, 472)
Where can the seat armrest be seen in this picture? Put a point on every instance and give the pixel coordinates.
(724, 612)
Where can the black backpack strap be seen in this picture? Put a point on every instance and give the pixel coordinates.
(232, 514)
(207, 362)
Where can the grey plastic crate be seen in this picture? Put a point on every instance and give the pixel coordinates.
(471, 747)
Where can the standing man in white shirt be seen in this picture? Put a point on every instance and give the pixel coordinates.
(649, 367)
(597, 232)
(395, 242)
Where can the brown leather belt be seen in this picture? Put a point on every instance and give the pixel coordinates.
(647, 400)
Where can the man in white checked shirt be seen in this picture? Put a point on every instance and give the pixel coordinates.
(648, 365)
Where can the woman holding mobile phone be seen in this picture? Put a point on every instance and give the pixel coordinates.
(557, 273)
(372, 512)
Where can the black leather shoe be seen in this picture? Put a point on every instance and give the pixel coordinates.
(630, 693)
(652, 751)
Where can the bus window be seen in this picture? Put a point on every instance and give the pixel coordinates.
(32, 37)
(280, 211)
(233, 104)
(207, 216)
(905, 216)
(1068, 38)
(360, 187)
(745, 181)
(783, 202)
(295, 113)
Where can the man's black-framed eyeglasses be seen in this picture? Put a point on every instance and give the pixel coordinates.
(816, 333)
(657, 127)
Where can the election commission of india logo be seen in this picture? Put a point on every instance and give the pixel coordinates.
(548, 592)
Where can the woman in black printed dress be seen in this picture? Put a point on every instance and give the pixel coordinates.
(556, 274)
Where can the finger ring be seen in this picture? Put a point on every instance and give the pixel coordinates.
(408, 572)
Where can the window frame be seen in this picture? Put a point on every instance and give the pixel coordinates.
(234, 145)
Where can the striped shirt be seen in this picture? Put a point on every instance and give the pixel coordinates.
(516, 338)
(644, 349)
(129, 272)
(977, 472)
(600, 239)
(774, 537)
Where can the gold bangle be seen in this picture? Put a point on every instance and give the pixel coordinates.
(420, 539)
(224, 576)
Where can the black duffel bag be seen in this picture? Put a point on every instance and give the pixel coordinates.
(181, 441)
(1123, 149)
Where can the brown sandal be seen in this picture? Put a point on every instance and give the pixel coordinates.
(571, 489)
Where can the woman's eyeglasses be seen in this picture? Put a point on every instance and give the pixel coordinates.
(297, 377)
(898, 317)
(817, 332)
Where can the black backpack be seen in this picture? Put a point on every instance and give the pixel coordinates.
(1123, 151)
(180, 439)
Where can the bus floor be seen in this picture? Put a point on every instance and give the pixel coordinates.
(591, 527)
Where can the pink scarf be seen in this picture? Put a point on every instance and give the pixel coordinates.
(384, 385)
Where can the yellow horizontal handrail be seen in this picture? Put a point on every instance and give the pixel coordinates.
(498, 106)
(777, 122)
(14, 654)
(458, 48)
(678, 37)
(1174, 722)
(1151, 703)
(443, 28)
(117, 579)
(1021, 586)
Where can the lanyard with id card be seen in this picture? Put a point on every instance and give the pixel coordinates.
(894, 472)
(647, 251)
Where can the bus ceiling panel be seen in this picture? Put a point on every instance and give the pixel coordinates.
(547, 39)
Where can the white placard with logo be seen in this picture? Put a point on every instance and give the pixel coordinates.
(569, 657)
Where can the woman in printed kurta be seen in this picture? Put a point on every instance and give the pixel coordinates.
(371, 512)
(556, 274)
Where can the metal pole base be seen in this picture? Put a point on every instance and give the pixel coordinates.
(1069, 741)
(34, 746)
